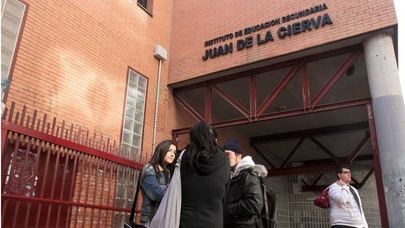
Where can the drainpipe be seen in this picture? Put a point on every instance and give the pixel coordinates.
(161, 54)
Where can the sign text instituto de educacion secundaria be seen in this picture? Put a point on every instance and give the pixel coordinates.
(266, 36)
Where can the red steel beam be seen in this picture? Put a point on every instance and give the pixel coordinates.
(366, 157)
(279, 88)
(280, 115)
(262, 155)
(68, 144)
(314, 187)
(264, 69)
(325, 149)
(377, 167)
(363, 181)
(253, 96)
(302, 169)
(296, 112)
(231, 101)
(317, 179)
(305, 87)
(60, 202)
(208, 104)
(313, 131)
(292, 152)
(358, 148)
(336, 76)
(188, 108)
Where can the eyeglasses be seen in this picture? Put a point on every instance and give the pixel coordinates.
(346, 172)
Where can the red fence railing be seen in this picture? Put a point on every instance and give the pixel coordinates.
(54, 175)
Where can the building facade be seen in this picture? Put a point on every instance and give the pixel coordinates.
(89, 88)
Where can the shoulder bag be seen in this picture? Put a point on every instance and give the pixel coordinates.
(168, 213)
(322, 200)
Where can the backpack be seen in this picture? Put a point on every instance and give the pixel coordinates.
(268, 215)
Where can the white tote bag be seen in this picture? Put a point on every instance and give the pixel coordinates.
(168, 213)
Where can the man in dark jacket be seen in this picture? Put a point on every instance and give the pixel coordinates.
(244, 198)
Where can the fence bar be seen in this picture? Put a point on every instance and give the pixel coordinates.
(11, 113)
(104, 171)
(34, 118)
(95, 190)
(43, 183)
(3, 213)
(17, 208)
(44, 122)
(26, 166)
(82, 161)
(86, 198)
(53, 184)
(24, 111)
(67, 155)
(73, 173)
(109, 189)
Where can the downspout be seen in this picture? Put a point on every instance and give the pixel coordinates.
(156, 105)
(161, 54)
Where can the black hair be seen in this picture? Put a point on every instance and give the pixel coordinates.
(203, 143)
(158, 158)
(340, 167)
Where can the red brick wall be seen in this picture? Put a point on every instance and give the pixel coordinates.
(197, 21)
(73, 60)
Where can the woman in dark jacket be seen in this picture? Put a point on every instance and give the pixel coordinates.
(205, 173)
(155, 178)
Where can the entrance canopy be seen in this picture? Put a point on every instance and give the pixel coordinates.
(301, 115)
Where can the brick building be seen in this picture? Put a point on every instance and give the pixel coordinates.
(88, 89)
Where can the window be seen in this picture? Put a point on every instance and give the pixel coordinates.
(134, 112)
(143, 3)
(146, 5)
(12, 12)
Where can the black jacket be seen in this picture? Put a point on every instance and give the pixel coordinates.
(244, 199)
(203, 191)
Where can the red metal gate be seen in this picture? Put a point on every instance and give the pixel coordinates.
(55, 175)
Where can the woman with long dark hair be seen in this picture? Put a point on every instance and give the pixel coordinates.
(155, 178)
(205, 172)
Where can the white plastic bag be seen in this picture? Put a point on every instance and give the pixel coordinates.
(168, 213)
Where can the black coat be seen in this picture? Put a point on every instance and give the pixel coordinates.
(203, 191)
(244, 200)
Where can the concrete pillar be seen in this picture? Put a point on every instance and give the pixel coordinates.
(389, 114)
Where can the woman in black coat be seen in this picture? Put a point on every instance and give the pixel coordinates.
(205, 172)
